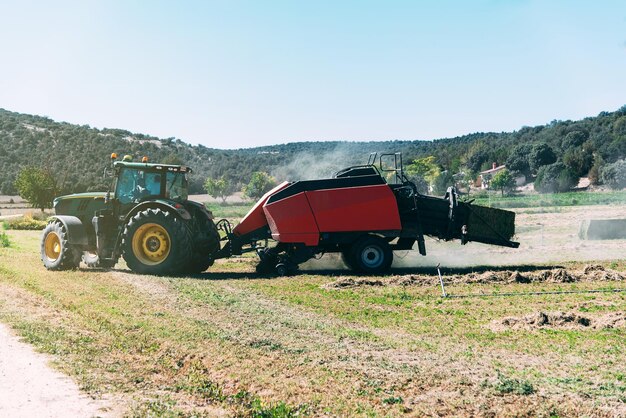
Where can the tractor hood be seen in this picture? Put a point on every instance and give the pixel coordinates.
(79, 204)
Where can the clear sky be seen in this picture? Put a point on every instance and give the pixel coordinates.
(231, 74)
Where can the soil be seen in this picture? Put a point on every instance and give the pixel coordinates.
(591, 272)
(560, 320)
(30, 388)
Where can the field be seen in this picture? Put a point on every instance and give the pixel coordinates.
(328, 343)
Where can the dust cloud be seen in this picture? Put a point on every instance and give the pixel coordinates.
(546, 235)
(310, 166)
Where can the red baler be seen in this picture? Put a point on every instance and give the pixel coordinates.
(360, 215)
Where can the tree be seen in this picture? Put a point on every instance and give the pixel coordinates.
(518, 159)
(260, 183)
(573, 139)
(503, 180)
(596, 169)
(477, 158)
(555, 178)
(614, 175)
(540, 155)
(172, 158)
(36, 186)
(218, 188)
(424, 170)
(579, 160)
(442, 182)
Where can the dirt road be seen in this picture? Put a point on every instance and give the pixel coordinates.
(30, 388)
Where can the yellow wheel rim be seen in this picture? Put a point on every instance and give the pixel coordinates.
(151, 244)
(52, 246)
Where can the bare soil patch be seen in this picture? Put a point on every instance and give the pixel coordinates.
(591, 272)
(29, 387)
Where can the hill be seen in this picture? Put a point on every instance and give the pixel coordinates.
(77, 154)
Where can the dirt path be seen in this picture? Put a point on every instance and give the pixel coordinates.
(30, 388)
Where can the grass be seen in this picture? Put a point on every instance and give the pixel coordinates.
(227, 342)
(550, 200)
(233, 211)
(507, 385)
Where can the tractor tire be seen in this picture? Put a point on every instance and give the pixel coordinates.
(56, 253)
(205, 244)
(92, 260)
(371, 255)
(156, 242)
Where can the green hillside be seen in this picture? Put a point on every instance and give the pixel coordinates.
(76, 155)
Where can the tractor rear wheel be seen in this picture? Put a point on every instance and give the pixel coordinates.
(157, 242)
(56, 253)
(371, 255)
(92, 260)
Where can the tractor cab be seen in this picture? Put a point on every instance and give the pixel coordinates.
(138, 182)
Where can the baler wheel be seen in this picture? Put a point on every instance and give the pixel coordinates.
(371, 255)
(282, 269)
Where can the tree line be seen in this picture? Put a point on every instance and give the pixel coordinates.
(555, 154)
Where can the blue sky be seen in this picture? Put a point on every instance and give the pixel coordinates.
(232, 74)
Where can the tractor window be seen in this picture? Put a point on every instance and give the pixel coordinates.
(134, 185)
(176, 186)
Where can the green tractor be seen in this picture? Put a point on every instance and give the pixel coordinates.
(145, 217)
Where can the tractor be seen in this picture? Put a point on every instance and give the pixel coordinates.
(145, 217)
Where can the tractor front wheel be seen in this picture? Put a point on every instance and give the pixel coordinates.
(371, 255)
(56, 253)
(157, 242)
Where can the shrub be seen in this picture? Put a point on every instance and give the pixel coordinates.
(555, 178)
(4, 240)
(26, 223)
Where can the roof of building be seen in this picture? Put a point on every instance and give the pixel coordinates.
(494, 170)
